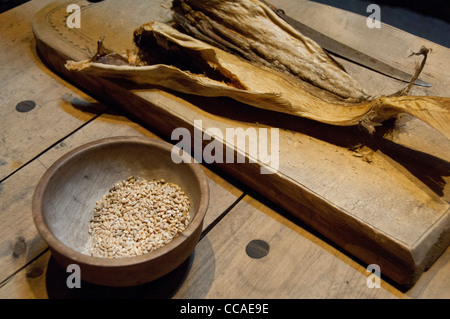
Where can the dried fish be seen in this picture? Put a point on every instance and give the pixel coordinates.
(252, 30)
(170, 58)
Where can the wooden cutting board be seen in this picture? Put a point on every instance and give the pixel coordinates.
(384, 199)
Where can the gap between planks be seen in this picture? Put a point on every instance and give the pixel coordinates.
(17, 198)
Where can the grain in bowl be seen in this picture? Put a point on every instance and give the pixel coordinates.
(137, 216)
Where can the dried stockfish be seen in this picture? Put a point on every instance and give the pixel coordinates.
(252, 30)
(173, 59)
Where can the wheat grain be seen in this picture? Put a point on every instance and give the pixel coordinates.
(136, 217)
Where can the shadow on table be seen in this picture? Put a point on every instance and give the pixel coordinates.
(429, 169)
(162, 288)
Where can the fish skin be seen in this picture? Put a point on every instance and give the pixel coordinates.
(251, 29)
(263, 87)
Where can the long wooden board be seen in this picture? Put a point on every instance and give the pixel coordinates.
(382, 198)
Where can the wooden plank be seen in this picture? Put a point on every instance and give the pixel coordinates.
(37, 109)
(381, 198)
(19, 239)
(346, 27)
(390, 45)
(29, 283)
(435, 282)
(299, 264)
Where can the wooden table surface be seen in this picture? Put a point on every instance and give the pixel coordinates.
(43, 117)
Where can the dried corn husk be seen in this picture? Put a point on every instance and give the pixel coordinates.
(224, 74)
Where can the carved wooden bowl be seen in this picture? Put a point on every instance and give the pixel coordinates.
(65, 197)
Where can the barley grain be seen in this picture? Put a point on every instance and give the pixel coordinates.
(136, 217)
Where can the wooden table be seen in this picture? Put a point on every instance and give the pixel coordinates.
(43, 117)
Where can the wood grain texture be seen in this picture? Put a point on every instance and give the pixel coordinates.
(295, 267)
(299, 264)
(17, 191)
(25, 78)
(60, 110)
(63, 204)
(390, 45)
(382, 198)
(41, 278)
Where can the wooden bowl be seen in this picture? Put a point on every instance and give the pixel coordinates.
(65, 197)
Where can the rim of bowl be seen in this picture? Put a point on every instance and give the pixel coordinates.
(75, 255)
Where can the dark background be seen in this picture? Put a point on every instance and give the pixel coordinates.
(8, 4)
(429, 19)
